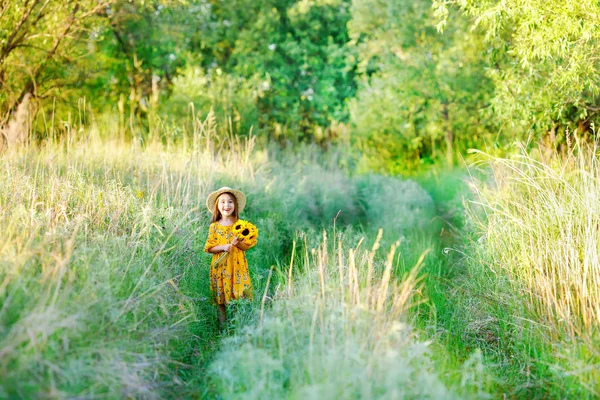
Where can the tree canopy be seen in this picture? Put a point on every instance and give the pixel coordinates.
(421, 93)
(308, 70)
(542, 58)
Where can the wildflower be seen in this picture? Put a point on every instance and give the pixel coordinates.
(244, 230)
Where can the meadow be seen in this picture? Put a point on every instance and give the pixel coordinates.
(423, 173)
(469, 283)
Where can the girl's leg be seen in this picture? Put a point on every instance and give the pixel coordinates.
(222, 313)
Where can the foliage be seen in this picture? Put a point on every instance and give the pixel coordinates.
(114, 54)
(304, 69)
(283, 66)
(232, 99)
(139, 52)
(542, 58)
(296, 53)
(421, 93)
(41, 43)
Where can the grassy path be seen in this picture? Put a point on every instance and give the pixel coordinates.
(434, 318)
(487, 306)
(103, 288)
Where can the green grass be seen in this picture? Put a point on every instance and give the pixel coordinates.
(104, 289)
(527, 290)
(103, 276)
(340, 329)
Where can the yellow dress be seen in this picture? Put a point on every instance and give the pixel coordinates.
(229, 280)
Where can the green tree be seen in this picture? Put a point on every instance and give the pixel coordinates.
(295, 51)
(40, 46)
(110, 52)
(542, 57)
(421, 93)
(140, 51)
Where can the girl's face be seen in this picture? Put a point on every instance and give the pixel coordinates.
(226, 205)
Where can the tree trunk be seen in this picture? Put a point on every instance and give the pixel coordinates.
(449, 147)
(448, 135)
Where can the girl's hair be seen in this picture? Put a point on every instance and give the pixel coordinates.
(216, 215)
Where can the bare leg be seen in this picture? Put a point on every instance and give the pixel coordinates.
(222, 313)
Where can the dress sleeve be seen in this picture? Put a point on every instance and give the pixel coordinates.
(253, 239)
(212, 239)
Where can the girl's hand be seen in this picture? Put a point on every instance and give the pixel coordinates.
(239, 243)
(227, 247)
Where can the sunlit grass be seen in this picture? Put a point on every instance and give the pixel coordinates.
(103, 288)
(539, 243)
(340, 328)
(94, 244)
(102, 275)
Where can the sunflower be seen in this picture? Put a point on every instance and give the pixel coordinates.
(244, 230)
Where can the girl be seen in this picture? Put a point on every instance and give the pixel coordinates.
(229, 279)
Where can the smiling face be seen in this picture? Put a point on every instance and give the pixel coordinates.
(226, 204)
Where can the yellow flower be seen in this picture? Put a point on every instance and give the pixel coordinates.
(244, 230)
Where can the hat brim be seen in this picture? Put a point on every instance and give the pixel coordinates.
(239, 196)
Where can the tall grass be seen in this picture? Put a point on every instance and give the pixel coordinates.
(103, 289)
(90, 265)
(101, 285)
(339, 328)
(537, 258)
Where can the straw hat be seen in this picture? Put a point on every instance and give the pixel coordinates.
(212, 198)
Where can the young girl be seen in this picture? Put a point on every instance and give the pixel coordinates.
(229, 279)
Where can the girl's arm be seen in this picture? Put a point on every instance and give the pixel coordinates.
(220, 248)
(240, 244)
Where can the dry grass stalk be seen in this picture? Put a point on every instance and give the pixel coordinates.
(264, 297)
(341, 267)
(358, 292)
(321, 268)
(370, 264)
(291, 268)
(544, 224)
(382, 292)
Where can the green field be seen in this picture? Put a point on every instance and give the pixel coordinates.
(423, 173)
(366, 286)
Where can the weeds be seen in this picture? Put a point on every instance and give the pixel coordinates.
(537, 259)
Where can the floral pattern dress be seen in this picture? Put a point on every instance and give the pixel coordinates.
(229, 279)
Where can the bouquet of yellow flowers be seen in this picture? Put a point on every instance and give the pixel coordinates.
(243, 230)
